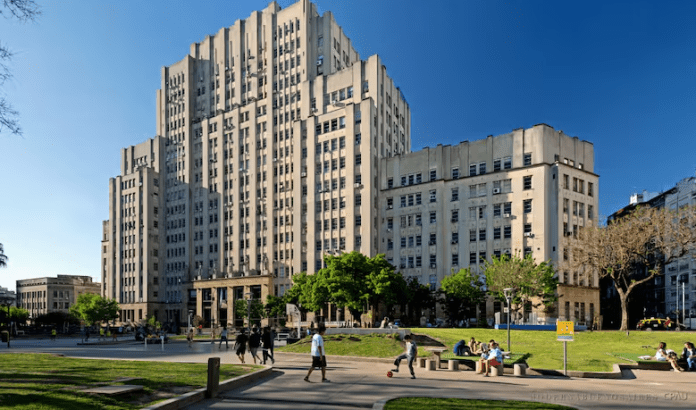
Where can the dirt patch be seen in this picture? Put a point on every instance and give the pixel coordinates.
(162, 394)
(354, 339)
(425, 340)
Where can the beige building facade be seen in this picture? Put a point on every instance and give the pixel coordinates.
(269, 137)
(40, 296)
(452, 207)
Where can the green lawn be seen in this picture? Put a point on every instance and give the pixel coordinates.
(590, 351)
(372, 345)
(42, 381)
(414, 403)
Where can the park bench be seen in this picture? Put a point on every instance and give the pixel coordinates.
(437, 351)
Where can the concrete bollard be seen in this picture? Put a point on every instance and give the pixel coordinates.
(497, 370)
(452, 365)
(479, 367)
(421, 362)
(162, 341)
(213, 377)
(520, 369)
(430, 364)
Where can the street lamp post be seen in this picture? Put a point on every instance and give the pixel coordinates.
(508, 297)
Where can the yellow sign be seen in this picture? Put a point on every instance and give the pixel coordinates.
(565, 331)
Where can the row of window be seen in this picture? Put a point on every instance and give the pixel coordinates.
(578, 185)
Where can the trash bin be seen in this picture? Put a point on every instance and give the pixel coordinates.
(4, 335)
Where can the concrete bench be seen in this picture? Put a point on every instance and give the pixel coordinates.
(520, 369)
(495, 370)
(437, 351)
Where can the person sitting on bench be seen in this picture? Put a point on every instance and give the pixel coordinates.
(494, 358)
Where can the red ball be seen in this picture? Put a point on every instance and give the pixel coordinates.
(390, 374)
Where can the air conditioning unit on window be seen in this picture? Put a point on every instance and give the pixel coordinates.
(431, 243)
(496, 191)
(433, 266)
(529, 234)
(455, 242)
(390, 206)
(303, 174)
(506, 215)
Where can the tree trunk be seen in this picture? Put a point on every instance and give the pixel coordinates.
(623, 297)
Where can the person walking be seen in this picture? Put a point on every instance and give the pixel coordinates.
(411, 353)
(240, 344)
(223, 336)
(318, 354)
(189, 337)
(254, 343)
(267, 345)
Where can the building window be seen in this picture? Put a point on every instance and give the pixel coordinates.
(527, 182)
(390, 183)
(455, 173)
(496, 232)
(527, 159)
(455, 215)
(496, 164)
(482, 234)
(507, 232)
(433, 174)
(482, 168)
(507, 163)
(455, 259)
(527, 206)
(472, 235)
(433, 196)
(590, 189)
(472, 170)
(590, 212)
(433, 217)
(455, 194)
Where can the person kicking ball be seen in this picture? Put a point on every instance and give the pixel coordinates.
(411, 353)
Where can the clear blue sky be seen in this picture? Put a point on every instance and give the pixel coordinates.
(619, 74)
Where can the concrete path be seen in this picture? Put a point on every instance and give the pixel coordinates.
(363, 384)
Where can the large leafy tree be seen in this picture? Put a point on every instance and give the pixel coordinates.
(530, 281)
(461, 290)
(93, 308)
(351, 280)
(24, 11)
(417, 297)
(275, 308)
(633, 249)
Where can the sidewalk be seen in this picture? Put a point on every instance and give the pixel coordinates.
(363, 384)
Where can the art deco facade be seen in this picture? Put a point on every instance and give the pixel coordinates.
(269, 136)
(43, 295)
(452, 207)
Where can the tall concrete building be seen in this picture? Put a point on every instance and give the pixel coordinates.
(452, 207)
(267, 154)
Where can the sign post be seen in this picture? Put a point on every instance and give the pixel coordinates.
(564, 333)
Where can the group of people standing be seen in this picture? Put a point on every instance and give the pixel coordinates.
(254, 341)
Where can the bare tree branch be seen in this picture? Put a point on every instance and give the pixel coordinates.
(22, 10)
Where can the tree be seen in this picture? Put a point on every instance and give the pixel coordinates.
(461, 290)
(93, 308)
(3, 257)
(24, 11)
(275, 308)
(634, 249)
(531, 281)
(418, 297)
(355, 281)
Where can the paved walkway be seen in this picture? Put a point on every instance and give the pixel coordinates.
(363, 384)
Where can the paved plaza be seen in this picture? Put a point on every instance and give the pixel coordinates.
(362, 383)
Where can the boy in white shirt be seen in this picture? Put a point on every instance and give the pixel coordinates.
(411, 353)
(318, 354)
